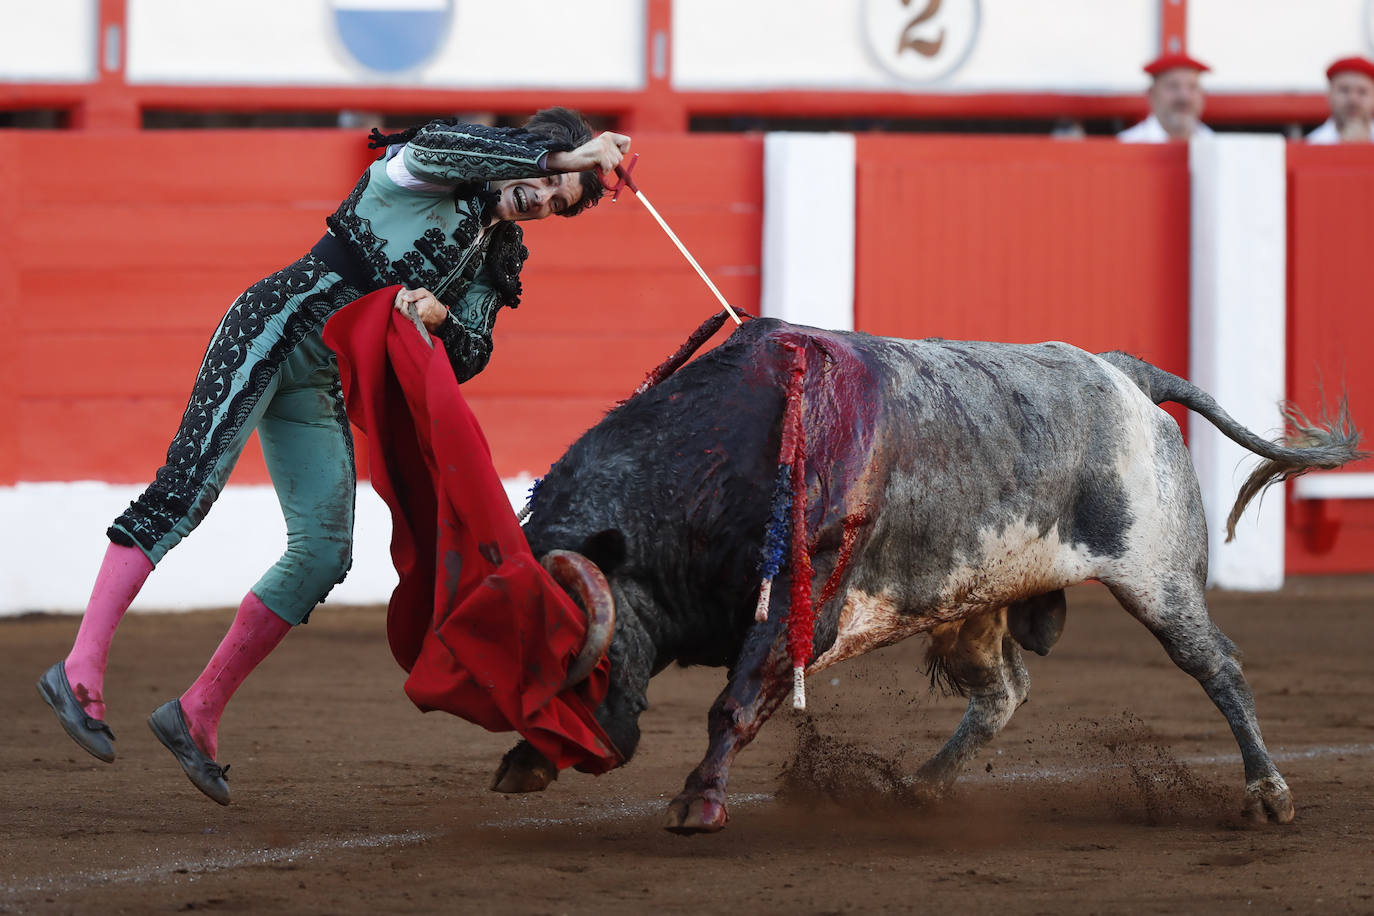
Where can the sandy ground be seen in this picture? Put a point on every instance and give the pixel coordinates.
(1117, 788)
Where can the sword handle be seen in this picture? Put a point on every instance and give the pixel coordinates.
(625, 180)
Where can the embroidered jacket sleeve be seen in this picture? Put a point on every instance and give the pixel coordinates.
(453, 153)
(467, 330)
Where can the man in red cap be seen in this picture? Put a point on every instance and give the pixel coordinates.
(1352, 103)
(1176, 102)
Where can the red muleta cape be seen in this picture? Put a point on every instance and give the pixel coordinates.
(484, 631)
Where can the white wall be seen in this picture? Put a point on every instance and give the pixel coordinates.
(53, 540)
(492, 44)
(46, 41)
(1277, 45)
(985, 45)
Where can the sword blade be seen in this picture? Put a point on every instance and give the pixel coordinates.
(413, 314)
(685, 253)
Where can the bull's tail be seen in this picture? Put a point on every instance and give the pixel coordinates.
(1305, 446)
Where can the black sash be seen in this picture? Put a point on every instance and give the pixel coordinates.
(340, 260)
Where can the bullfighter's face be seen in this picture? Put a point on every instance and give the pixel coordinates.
(1352, 103)
(536, 198)
(1176, 99)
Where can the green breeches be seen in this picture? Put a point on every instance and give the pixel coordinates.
(266, 369)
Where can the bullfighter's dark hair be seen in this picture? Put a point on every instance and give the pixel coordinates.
(563, 125)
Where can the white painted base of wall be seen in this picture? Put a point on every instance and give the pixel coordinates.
(52, 539)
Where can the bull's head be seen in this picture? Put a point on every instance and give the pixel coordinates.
(583, 575)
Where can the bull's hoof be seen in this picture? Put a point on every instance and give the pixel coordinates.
(523, 769)
(926, 793)
(1268, 800)
(695, 814)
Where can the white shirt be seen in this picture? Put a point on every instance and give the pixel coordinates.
(1151, 131)
(1328, 133)
(396, 170)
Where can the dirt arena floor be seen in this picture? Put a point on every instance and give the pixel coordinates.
(1117, 788)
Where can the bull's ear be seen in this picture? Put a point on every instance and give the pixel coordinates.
(606, 549)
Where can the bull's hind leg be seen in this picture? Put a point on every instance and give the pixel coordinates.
(979, 658)
(1175, 610)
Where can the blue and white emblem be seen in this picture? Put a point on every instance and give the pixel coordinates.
(392, 36)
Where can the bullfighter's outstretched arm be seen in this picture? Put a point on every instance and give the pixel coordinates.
(449, 153)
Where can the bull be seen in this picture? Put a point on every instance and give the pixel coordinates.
(955, 489)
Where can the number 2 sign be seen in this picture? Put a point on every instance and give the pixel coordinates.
(920, 41)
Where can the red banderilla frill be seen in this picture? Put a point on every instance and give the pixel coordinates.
(790, 489)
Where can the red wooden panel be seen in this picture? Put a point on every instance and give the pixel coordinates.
(147, 251)
(12, 309)
(196, 167)
(118, 236)
(163, 296)
(83, 364)
(633, 297)
(1025, 240)
(1330, 323)
(716, 239)
(118, 440)
(529, 434)
(594, 364)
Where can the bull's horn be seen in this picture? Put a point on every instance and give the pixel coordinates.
(580, 577)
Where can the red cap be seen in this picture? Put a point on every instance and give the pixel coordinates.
(1173, 62)
(1351, 65)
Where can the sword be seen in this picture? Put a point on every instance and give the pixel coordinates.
(413, 314)
(627, 182)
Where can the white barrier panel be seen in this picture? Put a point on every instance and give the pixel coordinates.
(954, 46)
(1331, 485)
(1238, 340)
(47, 41)
(54, 539)
(1286, 46)
(505, 44)
(808, 234)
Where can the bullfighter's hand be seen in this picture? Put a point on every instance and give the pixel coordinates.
(603, 152)
(432, 312)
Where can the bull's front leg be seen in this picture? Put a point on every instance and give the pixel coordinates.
(758, 682)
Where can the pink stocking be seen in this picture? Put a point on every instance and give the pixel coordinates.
(121, 575)
(256, 631)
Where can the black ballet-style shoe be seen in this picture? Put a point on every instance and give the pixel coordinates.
(91, 733)
(168, 722)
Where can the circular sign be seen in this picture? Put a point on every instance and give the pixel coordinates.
(920, 41)
(391, 36)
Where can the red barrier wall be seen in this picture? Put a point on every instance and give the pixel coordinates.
(1025, 240)
(1330, 330)
(120, 252)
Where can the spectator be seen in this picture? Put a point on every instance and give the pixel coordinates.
(1176, 101)
(1351, 96)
